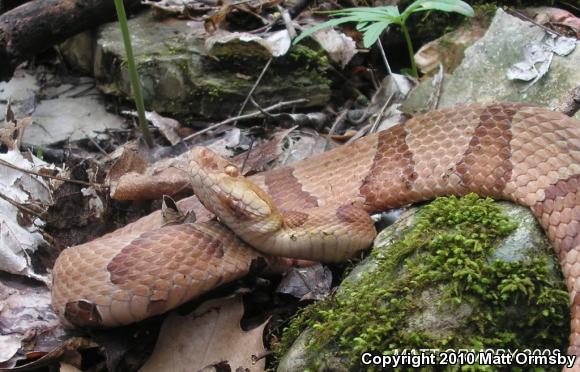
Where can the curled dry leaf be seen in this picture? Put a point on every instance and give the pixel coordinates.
(171, 214)
(308, 283)
(273, 44)
(557, 19)
(11, 133)
(538, 58)
(340, 47)
(209, 336)
(168, 127)
(96, 205)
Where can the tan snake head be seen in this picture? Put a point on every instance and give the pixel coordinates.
(327, 234)
(238, 202)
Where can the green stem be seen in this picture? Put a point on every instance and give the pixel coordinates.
(135, 85)
(410, 49)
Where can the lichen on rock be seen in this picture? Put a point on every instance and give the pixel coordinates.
(458, 273)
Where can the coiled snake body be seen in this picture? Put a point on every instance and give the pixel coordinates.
(318, 209)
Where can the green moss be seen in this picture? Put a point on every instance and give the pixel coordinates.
(516, 304)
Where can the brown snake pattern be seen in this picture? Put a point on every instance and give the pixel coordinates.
(516, 152)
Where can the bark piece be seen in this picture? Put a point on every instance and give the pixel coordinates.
(35, 26)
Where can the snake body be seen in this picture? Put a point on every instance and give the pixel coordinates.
(509, 151)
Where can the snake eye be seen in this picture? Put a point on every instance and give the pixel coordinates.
(232, 171)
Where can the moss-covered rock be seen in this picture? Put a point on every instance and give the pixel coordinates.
(179, 77)
(481, 77)
(459, 273)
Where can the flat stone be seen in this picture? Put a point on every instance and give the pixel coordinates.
(60, 112)
(179, 77)
(481, 77)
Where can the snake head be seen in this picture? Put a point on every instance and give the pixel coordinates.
(223, 190)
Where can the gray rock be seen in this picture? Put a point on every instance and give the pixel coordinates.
(481, 77)
(67, 112)
(179, 77)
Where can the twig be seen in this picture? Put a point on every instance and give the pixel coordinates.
(262, 355)
(246, 116)
(373, 128)
(526, 18)
(102, 150)
(570, 5)
(437, 83)
(287, 21)
(571, 104)
(247, 156)
(20, 206)
(7, 164)
(339, 119)
(253, 88)
(384, 55)
(256, 105)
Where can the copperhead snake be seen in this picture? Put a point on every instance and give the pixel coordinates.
(318, 209)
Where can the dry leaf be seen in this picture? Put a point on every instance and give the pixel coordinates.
(340, 47)
(209, 336)
(308, 283)
(128, 160)
(270, 45)
(11, 133)
(256, 159)
(168, 176)
(43, 359)
(17, 242)
(167, 126)
(27, 319)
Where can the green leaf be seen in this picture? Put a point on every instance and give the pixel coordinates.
(384, 11)
(449, 6)
(373, 32)
(330, 23)
(362, 15)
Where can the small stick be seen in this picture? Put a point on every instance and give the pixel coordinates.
(94, 142)
(375, 125)
(256, 105)
(253, 88)
(7, 164)
(246, 116)
(20, 206)
(526, 18)
(287, 21)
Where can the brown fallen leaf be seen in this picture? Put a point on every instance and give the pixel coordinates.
(167, 126)
(255, 159)
(167, 176)
(307, 283)
(129, 160)
(209, 336)
(71, 345)
(11, 133)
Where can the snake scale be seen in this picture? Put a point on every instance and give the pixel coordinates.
(509, 151)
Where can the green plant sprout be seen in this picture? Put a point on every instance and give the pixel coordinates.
(373, 21)
(135, 85)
